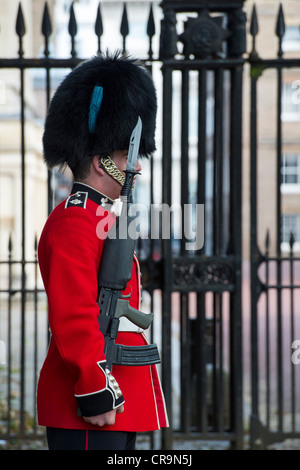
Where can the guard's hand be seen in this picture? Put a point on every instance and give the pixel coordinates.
(104, 419)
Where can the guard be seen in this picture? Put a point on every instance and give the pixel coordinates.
(83, 403)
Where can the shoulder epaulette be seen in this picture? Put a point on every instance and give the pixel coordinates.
(77, 200)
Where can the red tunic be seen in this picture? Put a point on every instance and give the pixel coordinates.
(69, 256)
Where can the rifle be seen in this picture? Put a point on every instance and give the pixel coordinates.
(114, 273)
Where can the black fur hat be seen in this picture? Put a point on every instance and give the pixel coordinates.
(95, 109)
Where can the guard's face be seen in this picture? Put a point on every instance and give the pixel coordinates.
(120, 159)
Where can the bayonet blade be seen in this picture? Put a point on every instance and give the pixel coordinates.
(134, 145)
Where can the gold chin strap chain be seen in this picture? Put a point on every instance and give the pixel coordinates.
(110, 168)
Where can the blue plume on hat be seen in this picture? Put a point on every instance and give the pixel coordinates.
(95, 107)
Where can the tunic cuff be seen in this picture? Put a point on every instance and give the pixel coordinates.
(104, 400)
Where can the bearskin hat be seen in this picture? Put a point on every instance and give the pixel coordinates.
(95, 109)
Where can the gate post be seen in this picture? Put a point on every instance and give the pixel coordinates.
(203, 40)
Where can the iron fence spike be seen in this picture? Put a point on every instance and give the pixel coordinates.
(254, 22)
(267, 240)
(253, 32)
(280, 29)
(280, 25)
(99, 28)
(151, 24)
(20, 29)
(124, 29)
(150, 31)
(20, 23)
(99, 24)
(10, 243)
(46, 22)
(72, 28)
(292, 240)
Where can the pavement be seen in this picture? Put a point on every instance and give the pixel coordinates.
(143, 443)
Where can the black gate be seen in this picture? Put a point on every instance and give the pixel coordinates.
(192, 273)
(206, 78)
(275, 281)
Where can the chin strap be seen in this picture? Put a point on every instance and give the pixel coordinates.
(112, 170)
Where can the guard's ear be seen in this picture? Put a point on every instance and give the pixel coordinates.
(96, 164)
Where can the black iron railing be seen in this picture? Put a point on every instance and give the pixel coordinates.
(22, 297)
(274, 389)
(199, 292)
(24, 331)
